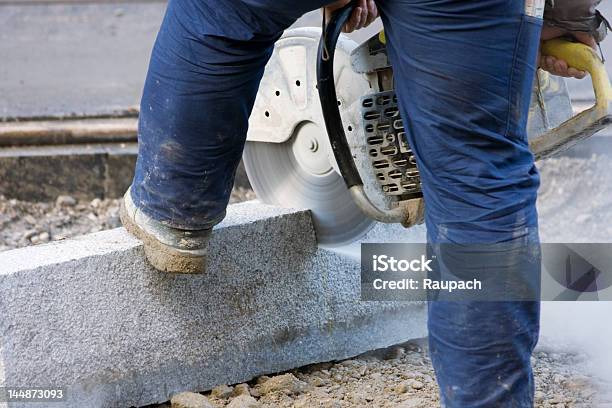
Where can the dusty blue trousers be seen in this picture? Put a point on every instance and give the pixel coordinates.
(463, 74)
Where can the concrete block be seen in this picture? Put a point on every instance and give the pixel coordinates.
(89, 315)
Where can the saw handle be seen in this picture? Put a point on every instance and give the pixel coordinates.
(335, 128)
(327, 94)
(584, 58)
(587, 123)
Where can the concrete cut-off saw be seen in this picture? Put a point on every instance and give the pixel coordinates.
(329, 136)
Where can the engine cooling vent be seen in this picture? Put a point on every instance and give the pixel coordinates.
(392, 160)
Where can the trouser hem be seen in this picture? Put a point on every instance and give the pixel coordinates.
(180, 225)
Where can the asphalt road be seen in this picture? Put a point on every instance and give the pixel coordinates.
(59, 59)
(84, 57)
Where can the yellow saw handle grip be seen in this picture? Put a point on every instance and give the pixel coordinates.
(584, 58)
(589, 122)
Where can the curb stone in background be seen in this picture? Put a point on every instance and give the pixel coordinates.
(86, 172)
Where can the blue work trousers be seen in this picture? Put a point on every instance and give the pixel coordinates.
(463, 74)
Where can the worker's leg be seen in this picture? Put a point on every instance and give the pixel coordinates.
(463, 74)
(203, 77)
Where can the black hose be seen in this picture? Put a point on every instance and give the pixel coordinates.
(329, 99)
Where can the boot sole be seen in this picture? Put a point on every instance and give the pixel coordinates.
(163, 257)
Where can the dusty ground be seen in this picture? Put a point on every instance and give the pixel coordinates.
(575, 201)
(398, 377)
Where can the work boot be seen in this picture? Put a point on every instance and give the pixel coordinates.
(167, 249)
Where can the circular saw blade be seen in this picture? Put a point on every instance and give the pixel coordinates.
(278, 177)
(287, 156)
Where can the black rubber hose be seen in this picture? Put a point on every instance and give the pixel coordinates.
(329, 99)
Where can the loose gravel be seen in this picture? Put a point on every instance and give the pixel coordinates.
(24, 223)
(399, 377)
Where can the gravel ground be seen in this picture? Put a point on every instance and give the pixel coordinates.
(25, 223)
(398, 377)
